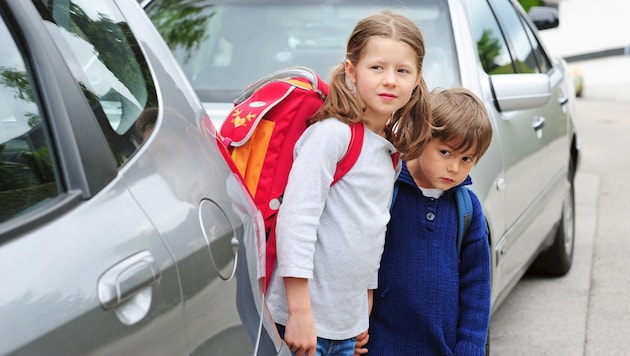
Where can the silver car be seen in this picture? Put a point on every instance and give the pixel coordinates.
(526, 179)
(123, 228)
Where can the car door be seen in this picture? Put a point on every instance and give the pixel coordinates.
(186, 186)
(549, 124)
(556, 116)
(84, 269)
(502, 49)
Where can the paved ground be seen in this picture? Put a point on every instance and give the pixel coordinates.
(587, 311)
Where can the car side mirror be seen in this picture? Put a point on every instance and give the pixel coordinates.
(520, 91)
(544, 17)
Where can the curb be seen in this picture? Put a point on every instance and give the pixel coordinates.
(619, 51)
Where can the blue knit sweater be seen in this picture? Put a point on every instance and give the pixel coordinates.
(427, 303)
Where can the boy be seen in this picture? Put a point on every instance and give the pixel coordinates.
(430, 300)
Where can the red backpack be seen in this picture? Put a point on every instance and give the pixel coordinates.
(261, 131)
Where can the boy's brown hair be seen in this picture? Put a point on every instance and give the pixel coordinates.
(461, 119)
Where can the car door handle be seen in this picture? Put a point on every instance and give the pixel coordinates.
(538, 123)
(563, 100)
(126, 279)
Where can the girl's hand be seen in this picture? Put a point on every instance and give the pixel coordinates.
(362, 340)
(300, 334)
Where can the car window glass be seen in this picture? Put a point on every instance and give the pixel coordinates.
(221, 51)
(544, 63)
(524, 57)
(108, 64)
(491, 46)
(27, 174)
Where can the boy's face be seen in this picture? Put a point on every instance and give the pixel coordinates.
(441, 167)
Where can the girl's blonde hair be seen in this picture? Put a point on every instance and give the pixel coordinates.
(461, 119)
(410, 126)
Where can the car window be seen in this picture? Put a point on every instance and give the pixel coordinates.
(227, 44)
(109, 66)
(544, 63)
(523, 54)
(491, 44)
(27, 173)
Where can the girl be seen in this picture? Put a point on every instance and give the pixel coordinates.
(330, 239)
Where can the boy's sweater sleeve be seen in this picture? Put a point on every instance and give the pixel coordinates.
(474, 288)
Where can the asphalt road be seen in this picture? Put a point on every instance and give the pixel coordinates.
(587, 312)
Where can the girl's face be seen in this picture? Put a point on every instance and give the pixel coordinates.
(440, 166)
(385, 77)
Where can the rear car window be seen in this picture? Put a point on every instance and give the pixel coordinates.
(229, 44)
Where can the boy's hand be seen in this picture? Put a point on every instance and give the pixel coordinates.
(362, 340)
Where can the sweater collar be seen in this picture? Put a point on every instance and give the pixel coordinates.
(406, 178)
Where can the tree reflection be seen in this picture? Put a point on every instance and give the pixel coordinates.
(16, 79)
(489, 48)
(182, 23)
(26, 171)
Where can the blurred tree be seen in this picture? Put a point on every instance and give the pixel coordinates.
(488, 48)
(526, 4)
(182, 23)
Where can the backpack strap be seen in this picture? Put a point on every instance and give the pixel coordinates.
(352, 155)
(394, 194)
(464, 214)
(354, 150)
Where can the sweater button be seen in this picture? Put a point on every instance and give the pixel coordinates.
(430, 216)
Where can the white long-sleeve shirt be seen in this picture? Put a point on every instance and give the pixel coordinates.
(333, 236)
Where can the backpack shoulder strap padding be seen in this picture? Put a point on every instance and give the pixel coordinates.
(464, 214)
(354, 150)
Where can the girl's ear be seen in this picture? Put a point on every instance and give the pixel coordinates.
(350, 72)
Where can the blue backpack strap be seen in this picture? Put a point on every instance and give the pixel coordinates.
(394, 195)
(464, 214)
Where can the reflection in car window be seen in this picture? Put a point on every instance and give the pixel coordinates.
(524, 58)
(493, 50)
(108, 64)
(27, 174)
(220, 52)
(544, 63)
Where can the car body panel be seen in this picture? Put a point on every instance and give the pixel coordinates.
(159, 252)
(64, 301)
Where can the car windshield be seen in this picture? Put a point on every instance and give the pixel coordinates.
(223, 46)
